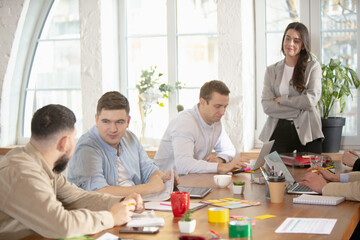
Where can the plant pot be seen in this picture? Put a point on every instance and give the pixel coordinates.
(238, 189)
(187, 227)
(332, 130)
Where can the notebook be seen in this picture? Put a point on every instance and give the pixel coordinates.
(195, 192)
(260, 161)
(316, 199)
(273, 159)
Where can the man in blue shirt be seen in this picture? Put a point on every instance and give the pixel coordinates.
(110, 159)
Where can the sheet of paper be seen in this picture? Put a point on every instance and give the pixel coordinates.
(307, 225)
(145, 219)
(108, 236)
(164, 195)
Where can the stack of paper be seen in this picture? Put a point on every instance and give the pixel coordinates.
(145, 219)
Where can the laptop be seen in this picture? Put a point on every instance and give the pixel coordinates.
(260, 161)
(273, 159)
(195, 192)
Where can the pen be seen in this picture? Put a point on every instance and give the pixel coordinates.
(214, 234)
(241, 170)
(264, 174)
(165, 204)
(315, 171)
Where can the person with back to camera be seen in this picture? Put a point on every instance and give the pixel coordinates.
(292, 89)
(35, 196)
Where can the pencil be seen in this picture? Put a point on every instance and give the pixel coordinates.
(315, 171)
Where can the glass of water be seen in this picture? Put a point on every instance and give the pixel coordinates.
(316, 160)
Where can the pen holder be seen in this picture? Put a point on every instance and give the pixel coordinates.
(276, 188)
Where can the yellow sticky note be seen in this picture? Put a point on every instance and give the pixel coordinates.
(265, 216)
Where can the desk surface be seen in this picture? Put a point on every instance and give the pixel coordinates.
(347, 213)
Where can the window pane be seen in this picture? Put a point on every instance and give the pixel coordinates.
(196, 16)
(55, 71)
(189, 97)
(197, 60)
(146, 17)
(279, 13)
(63, 20)
(273, 50)
(56, 65)
(339, 40)
(144, 53)
(38, 99)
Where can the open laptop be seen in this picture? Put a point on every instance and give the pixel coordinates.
(195, 192)
(260, 161)
(274, 160)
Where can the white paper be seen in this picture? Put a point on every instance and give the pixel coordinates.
(145, 219)
(307, 225)
(164, 195)
(108, 236)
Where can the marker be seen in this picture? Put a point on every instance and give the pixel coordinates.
(165, 204)
(241, 170)
(214, 234)
(315, 171)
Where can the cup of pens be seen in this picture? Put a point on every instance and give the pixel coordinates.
(276, 188)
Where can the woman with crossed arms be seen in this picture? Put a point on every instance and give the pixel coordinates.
(292, 89)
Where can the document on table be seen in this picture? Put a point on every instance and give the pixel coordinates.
(164, 195)
(307, 225)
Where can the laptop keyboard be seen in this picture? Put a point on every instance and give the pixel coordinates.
(301, 188)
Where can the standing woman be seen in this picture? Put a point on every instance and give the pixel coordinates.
(292, 89)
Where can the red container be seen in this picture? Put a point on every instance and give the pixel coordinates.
(179, 203)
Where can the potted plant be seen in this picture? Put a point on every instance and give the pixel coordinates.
(152, 92)
(336, 82)
(187, 224)
(238, 187)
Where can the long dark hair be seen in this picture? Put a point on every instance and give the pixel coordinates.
(298, 76)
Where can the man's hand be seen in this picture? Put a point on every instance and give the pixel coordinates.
(123, 211)
(156, 183)
(349, 158)
(139, 204)
(234, 164)
(315, 181)
(327, 175)
(167, 177)
(212, 158)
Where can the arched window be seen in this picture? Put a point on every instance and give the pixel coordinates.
(54, 73)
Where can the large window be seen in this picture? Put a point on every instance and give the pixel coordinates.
(54, 75)
(180, 38)
(334, 34)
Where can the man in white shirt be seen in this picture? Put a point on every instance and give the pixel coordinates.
(191, 137)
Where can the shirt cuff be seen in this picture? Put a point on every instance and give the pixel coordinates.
(344, 177)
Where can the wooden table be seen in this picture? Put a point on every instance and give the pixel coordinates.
(346, 213)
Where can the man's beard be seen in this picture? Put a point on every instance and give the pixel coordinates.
(61, 164)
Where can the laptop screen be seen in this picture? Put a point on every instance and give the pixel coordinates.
(274, 160)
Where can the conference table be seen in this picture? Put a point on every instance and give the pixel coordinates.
(347, 213)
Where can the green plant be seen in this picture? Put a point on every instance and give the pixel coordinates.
(151, 90)
(336, 82)
(239, 183)
(186, 217)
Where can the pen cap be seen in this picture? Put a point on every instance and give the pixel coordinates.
(276, 178)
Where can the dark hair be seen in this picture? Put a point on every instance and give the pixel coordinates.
(113, 101)
(213, 86)
(298, 77)
(50, 120)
